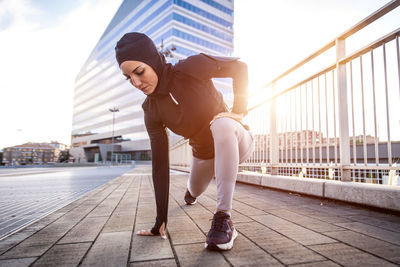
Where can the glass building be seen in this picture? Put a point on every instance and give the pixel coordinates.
(182, 27)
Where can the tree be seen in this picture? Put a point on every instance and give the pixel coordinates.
(64, 156)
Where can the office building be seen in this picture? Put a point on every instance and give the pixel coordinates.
(31, 154)
(179, 28)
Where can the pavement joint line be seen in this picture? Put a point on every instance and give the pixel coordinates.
(254, 241)
(45, 215)
(92, 243)
(55, 243)
(136, 211)
(358, 248)
(273, 231)
(187, 214)
(310, 247)
(178, 264)
(261, 248)
(366, 222)
(291, 222)
(152, 260)
(30, 208)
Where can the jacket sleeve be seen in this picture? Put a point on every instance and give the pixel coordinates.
(160, 168)
(205, 67)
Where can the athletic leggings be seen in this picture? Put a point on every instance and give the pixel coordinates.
(232, 145)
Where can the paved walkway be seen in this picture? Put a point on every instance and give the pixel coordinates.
(275, 229)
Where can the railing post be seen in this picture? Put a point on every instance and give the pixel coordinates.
(343, 112)
(274, 156)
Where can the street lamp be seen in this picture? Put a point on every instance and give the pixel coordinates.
(113, 110)
(167, 52)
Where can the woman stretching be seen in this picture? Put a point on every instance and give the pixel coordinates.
(183, 99)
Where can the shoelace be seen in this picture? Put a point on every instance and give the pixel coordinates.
(218, 222)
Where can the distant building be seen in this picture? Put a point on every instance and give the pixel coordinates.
(58, 145)
(179, 28)
(30, 154)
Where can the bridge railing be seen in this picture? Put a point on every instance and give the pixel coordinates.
(339, 123)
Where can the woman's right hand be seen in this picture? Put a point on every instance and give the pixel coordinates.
(147, 232)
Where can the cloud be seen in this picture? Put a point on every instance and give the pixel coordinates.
(14, 15)
(39, 66)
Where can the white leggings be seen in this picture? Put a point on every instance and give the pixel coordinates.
(232, 145)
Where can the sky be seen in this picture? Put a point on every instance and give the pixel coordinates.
(44, 43)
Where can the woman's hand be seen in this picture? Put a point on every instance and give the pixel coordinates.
(236, 117)
(148, 232)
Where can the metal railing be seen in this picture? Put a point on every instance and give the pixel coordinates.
(339, 123)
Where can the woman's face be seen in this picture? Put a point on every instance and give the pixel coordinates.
(141, 75)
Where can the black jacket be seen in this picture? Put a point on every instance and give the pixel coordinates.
(185, 101)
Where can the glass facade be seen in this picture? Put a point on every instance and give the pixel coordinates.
(189, 26)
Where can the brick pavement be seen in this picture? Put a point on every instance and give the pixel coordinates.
(275, 229)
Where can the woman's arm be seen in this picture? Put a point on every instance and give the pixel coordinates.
(236, 70)
(160, 169)
(206, 67)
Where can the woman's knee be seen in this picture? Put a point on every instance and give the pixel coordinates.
(223, 126)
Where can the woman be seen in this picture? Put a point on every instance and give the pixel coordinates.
(183, 98)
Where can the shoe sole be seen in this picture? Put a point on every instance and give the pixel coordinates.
(226, 246)
(194, 202)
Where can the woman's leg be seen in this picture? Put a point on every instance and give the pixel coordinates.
(201, 173)
(232, 145)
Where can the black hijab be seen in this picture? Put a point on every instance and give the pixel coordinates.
(139, 47)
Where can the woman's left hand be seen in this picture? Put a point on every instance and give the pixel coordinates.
(148, 232)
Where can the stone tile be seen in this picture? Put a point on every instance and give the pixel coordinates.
(76, 214)
(374, 246)
(317, 264)
(245, 253)
(184, 231)
(197, 255)
(239, 218)
(104, 209)
(349, 256)
(14, 239)
(63, 255)
(320, 215)
(176, 210)
(85, 231)
(146, 248)
(39, 242)
(299, 234)
(335, 210)
(197, 212)
(24, 262)
(246, 209)
(389, 236)
(109, 249)
(120, 223)
(161, 263)
(207, 201)
(279, 246)
(307, 222)
(378, 222)
(204, 224)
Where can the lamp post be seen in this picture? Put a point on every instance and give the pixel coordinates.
(113, 110)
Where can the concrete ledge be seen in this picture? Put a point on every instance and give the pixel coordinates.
(309, 186)
(381, 196)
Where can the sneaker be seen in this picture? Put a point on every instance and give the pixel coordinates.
(189, 199)
(222, 233)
